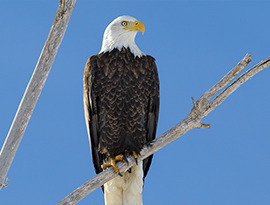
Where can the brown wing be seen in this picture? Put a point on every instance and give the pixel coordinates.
(153, 111)
(91, 113)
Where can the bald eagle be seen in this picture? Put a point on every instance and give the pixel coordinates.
(121, 104)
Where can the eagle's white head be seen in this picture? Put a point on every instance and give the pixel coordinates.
(121, 33)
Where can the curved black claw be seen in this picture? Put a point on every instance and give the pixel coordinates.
(136, 160)
(129, 171)
(125, 157)
(120, 174)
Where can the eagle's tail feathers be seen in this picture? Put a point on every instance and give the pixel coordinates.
(126, 190)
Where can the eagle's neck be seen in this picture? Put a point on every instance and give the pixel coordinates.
(120, 40)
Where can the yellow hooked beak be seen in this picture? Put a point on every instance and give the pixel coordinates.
(136, 26)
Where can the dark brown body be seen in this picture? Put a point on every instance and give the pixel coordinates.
(121, 101)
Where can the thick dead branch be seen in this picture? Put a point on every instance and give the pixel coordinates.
(200, 109)
(34, 87)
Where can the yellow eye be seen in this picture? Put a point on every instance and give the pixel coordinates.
(124, 23)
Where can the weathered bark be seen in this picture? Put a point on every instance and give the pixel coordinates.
(201, 108)
(34, 87)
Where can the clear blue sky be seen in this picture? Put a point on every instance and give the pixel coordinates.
(195, 44)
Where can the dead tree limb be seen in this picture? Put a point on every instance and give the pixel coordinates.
(201, 108)
(34, 87)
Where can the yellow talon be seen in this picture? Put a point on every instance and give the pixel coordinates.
(119, 157)
(135, 156)
(112, 163)
(104, 166)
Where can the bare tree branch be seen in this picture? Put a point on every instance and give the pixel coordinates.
(34, 87)
(201, 108)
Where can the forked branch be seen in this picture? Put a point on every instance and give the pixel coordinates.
(201, 108)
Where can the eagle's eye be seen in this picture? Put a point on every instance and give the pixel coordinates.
(124, 23)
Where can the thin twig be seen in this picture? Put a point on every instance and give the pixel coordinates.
(237, 83)
(34, 87)
(201, 109)
(228, 77)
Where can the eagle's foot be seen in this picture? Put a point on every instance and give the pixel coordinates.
(118, 158)
(135, 157)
